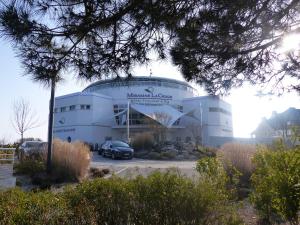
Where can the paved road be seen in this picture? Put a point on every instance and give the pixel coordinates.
(131, 168)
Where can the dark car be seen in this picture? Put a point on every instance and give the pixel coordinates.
(30, 147)
(117, 149)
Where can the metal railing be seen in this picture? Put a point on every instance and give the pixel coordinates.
(7, 157)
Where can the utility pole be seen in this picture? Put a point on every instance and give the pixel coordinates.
(50, 126)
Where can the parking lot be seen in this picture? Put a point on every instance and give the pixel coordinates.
(131, 168)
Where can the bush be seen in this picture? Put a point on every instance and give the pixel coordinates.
(168, 155)
(207, 151)
(70, 160)
(19, 207)
(154, 155)
(158, 199)
(143, 141)
(276, 183)
(29, 167)
(211, 169)
(238, 156)
(6, 154)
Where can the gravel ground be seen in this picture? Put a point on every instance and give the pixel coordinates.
(134, 167)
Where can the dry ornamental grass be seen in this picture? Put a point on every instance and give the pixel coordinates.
(239, 156)
(71, 159)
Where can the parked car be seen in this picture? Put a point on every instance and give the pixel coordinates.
(117, 149)
(30, 147)
(100, 149)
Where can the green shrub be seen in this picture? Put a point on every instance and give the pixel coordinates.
(211, 168)
(154, 155)
(168, 155)
(161, 198)
(6, 154)
(29, 167)
(207, 151)
(18, 207)
(212, 171)
(141, 154)
(276, 183)
(143, 141)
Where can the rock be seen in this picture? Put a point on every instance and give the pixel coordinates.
(189, 147)
(186, 155)
(168, 148)
(169, 154)
(180, 157)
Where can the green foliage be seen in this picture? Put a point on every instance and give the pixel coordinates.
(295, 135)
(154, 155)
(29, 167)
(276, 183)
(161, 198)
(7, 155)
(168, 155)
(208, 151)
(18, 207)
(211, 168)
(211, 171)
(211, 41)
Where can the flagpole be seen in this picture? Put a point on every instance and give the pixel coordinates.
(128, 121)
(201, 123)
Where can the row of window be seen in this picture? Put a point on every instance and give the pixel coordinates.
(72, 108)
(141, 83)
(136, 118)
(217, 109)
(227, 130)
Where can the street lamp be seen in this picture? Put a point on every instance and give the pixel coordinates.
(128, 107)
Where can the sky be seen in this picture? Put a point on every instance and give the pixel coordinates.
(247, 108)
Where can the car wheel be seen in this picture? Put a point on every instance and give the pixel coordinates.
(113, 156)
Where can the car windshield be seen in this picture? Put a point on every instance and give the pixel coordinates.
(119, 144)
(33, 144)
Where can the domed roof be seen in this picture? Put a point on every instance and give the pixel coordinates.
(139, 80)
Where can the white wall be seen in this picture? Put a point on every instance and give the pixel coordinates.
(95, 124)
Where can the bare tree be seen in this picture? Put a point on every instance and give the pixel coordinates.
(3, 141)
(196, 131)
(24, 117)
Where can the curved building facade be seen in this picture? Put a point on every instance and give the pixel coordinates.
(121, 108)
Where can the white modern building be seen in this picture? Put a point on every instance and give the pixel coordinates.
(102, 111)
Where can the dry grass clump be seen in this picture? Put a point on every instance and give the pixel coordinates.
(96, 172)
(143, 141)
(239, 156)
(70, 160)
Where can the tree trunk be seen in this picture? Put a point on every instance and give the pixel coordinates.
(50, 126)
(22, 138)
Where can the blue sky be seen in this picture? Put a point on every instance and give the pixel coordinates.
(247, 108)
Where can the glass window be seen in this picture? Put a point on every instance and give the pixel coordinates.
(63, 109)
(88, 107)
(216, 109)
(82, 106)
(119, 144)
(72, 107)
